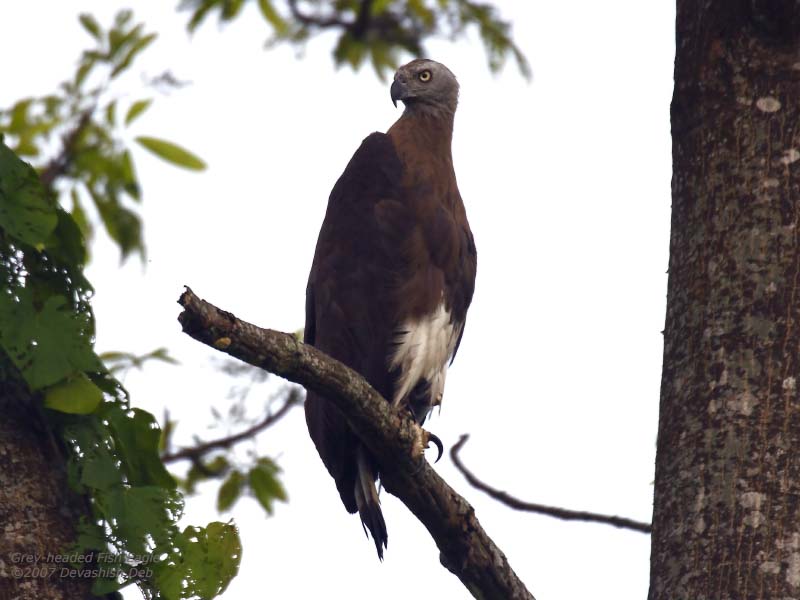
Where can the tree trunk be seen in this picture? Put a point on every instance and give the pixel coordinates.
(726, 520)
(38, 512)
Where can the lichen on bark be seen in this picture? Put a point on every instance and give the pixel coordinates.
(726, 511)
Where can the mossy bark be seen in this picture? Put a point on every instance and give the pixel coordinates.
(726, 520)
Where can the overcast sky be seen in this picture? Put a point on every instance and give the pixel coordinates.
(566, 181)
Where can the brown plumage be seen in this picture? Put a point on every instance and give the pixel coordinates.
(392, 276)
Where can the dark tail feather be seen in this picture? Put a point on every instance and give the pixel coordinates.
(369, 506)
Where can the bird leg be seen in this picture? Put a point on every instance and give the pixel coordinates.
(423, 439)
(419, 404)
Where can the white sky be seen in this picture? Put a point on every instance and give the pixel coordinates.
(566, 181)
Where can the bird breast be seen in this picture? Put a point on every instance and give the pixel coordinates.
(423, 349)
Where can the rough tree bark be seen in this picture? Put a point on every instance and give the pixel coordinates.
(727, 492)
(38, 511)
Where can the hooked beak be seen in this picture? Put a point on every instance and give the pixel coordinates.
(399, 91)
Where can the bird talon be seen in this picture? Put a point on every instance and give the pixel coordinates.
(436, 442)
(427, 438)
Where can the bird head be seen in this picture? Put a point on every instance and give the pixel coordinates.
(425, 84)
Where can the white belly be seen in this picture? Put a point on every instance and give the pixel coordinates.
(423, 351)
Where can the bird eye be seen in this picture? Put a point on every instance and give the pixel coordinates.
(425, 76)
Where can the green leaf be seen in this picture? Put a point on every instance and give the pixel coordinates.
(137, 436)
(162, 354)
(383, 60)
(272, 17)
(199, 15)
(230, 491)
(87, 64)
(46, 342)
(96, 467)
(19, 116)
(140, 516)
(111, 112)
(91, 463)
(90, 536)
(350, 50)
(203, 563)
(66, 241)
(172, 153)
(129, 182)
(79, 214)
(379, 6)
(231, 8)
(123, 17)
(134, 50)
(90, 25)
(26, 213)
(51, 105)
(419, 9)
(100, 468)
(265, 484)
(118, 39)
(123, 225)
(103, 586)
(26, 146)
(216, 467)
(136, 109)
(166, 433)
(76, 395)
(106, 382)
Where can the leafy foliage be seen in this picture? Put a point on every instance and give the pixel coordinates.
(202, 563)
(262, 479)
(43, 337)
(92, 165)
(47, 332)
(240, 473)
(25, 210)
(377, 31)
(265, 484)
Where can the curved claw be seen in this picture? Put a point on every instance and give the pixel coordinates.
(438, 443)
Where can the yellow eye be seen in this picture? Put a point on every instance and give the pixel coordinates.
(425, 76)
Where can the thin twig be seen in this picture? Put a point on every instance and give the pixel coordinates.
(551, 511)
(195, 452)
(60, 164)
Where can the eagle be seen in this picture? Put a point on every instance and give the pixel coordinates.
(392, 277)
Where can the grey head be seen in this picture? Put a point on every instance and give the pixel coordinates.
(425, 85)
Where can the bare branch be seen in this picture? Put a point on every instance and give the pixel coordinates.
(314, 20)
(196, 452)
(550, 511)
(391, 436)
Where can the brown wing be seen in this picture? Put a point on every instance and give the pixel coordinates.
(348, 298)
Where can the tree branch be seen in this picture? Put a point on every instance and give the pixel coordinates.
(391, 436)
(195, 452)
(361, 24)
(551, 511)
(60, 164)
(316, 21)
